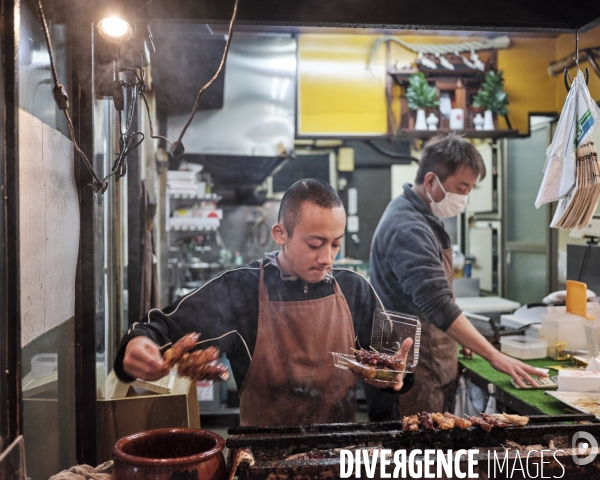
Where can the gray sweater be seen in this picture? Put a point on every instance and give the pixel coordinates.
(406, 261)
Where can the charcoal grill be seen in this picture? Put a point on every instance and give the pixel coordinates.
(314, 454)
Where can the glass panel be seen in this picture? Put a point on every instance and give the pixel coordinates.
(49, 243)
(526, 158)
(527, 277)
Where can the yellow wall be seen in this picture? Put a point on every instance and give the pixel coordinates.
(565, 45)
(336, 91)
(337, 94)
(526, 80)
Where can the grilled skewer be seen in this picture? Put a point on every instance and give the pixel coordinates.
(480, 422)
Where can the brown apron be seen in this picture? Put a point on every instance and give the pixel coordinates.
(292, 379)
(437, 370)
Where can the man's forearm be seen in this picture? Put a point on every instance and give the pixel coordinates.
(463, 331)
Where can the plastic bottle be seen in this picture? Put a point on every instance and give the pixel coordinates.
(458, 262)
(237, 259)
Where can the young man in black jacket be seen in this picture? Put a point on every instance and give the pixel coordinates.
(277, 319)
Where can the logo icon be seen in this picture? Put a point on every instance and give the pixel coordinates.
(581, 442)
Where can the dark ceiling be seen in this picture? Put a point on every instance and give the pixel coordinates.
(498, 15)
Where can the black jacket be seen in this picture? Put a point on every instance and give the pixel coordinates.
(229, 302)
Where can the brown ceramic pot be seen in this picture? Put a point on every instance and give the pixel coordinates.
(170, 454)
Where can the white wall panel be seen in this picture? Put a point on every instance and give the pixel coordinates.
(49, 227)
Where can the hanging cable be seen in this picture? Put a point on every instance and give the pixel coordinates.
(577, 49)
(128, 141)
(177, 148)
(407, 159)
(62, 101)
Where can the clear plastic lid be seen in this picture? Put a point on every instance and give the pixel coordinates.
(390, 329)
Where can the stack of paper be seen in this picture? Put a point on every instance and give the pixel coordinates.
(577, 208)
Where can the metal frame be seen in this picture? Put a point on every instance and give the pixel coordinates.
(10, 327)
(85, 295)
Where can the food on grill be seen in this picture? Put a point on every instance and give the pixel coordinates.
(410, 424)
(426, 420)
(448, 421)
(174, 354)
(379, 360)
(461, 423)
(198, 365)
(480, 422)
(494, 422)
(518, 420)
(442, 422)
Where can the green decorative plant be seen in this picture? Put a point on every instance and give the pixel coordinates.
(491, 95)
(420, 94)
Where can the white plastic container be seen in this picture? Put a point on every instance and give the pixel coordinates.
(526, 348)
(560, 326)
(43, 364)
(578, 381)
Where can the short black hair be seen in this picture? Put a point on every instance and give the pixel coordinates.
(310, 190)
(445, 154)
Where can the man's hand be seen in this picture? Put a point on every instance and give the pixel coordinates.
(403, 354)
(516, 369)
(143, 360)
(463, 331)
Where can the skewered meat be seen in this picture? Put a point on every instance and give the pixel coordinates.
(493, 421)
(379, 360)
(480, 422)
(410, 424)
(442, 422)
(365, 371)
(198, 365)
(174, 354)
(426, 420)
(461, 423)
(517, 420)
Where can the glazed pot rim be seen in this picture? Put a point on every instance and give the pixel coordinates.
(135, 460)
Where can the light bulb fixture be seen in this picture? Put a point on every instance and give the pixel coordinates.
(115, 30)
(116, 22)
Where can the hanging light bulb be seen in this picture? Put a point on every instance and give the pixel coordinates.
(114, 30)
(115, 26)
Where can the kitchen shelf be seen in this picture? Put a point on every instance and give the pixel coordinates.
(180, 228)
(203, 265)
(188, 196)
(467, 133)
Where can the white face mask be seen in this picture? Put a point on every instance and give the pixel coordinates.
(450, 206)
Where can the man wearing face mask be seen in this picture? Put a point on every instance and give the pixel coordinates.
(411, 268)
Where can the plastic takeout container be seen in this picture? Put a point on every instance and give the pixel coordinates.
(390, 329)
(523, 347)
(347, 362)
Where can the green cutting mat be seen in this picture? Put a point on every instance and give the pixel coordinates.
(536, 398)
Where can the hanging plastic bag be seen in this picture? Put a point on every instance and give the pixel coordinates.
(578, 119)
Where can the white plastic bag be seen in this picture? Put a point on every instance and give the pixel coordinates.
(578, 119)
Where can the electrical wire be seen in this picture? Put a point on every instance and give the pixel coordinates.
(581, 268)
(388, 153)
(128, 141)
(212, 80)
(62, 100)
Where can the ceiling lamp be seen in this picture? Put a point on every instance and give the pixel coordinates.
(115, 26)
